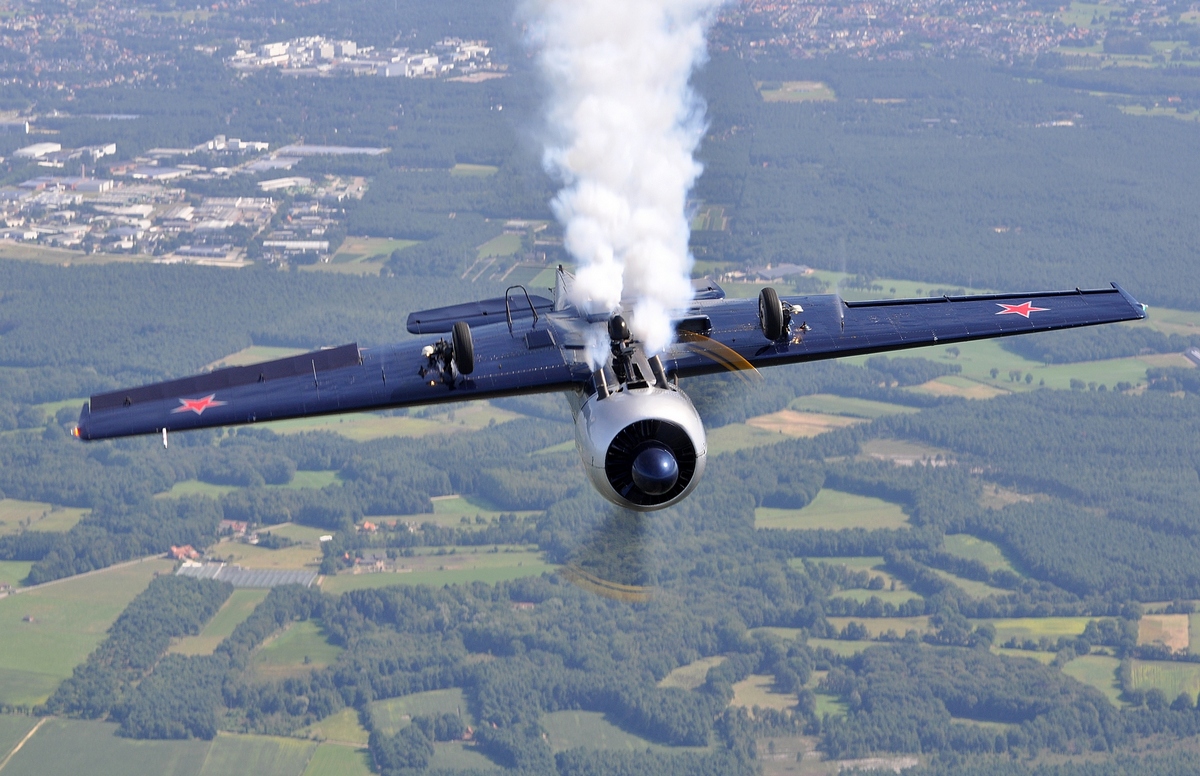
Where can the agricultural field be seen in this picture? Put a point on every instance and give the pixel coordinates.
(65, 258)
(709, 218)
(298, 556)
(450, 510)
(467, 564)
(1194, 632)
(45, 633)
(16, 516)
(196, 488)
(739, 436)
(1045, 658)
(394, 714)
(343, 727)
(459, 756)
(232, 613)
(1170, 630)
(462, 170)
(360, 256)
(12, 572)
(972, 548)
(793, 423)
(365, 426)
(1172, 678)
(300, 648)
(592, 730)
(500, 245)
(879, 625)
(253, 355)
(338, 760)
(758, 690)
(63, 746)
(692, 675)
(834, 509)
(260, 755)
(851, 407)
(795, 91)
(13, 729)
(1035, 627)
(1100, 672)
(972, 587)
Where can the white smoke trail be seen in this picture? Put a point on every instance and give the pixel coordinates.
(624, 125)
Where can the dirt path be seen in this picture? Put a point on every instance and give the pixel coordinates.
(28, 736)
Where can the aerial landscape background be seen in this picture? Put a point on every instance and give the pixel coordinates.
(975, 559)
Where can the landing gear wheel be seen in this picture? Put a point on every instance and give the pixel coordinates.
(770, 313)
(464, 348)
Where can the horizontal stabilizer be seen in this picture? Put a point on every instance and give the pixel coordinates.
(442, 319)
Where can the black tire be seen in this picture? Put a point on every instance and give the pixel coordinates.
(770, 313)
(464, 348)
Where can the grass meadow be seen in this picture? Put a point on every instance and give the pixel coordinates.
(834, 509)
(232, 613)
(1170, 677)
(16, 516)
(300, 648)
(466, 565)
(339, 760)
(343, 727)
(971, 548)
(394, 714)
(1035, 627)
(850, 407)
(1099, 671)
(692, 675)
(13, 728)
(592, 730)
(66, 621)
(63, 746)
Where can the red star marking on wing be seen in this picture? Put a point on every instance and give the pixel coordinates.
(197, 406)
(1023, 309)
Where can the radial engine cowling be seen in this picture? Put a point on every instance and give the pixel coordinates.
(643, 448)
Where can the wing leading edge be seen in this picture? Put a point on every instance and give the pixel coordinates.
(828, 327)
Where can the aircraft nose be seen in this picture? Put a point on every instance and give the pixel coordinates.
(655, 470)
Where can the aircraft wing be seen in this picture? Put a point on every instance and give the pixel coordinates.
(508, 361)
(540, 350)
(726, 335)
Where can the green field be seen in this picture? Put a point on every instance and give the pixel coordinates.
(1045, 658)
(259, 755)
(298, 556)
(253, 355)
(450, 510)
(972, 548)
(360, 256)
(462, 567)
(971, 587)
(834, 509)
(365, 426)
(461, 170)
(301, 648)
(69, 619)
(16, 516)
(459, 756)
(343, 727)
(758, 690)
(1100, 672)
(13, 728)
(394, 714)
(1035, 627)
(197, 488)
(232, 613)
(1172, 678)
(13, 571)
(739, 436)
(297, 533)
(692, 675)
(796, 91)
(1194, 632)
(855, 408)
(338, 760)
(500, 245)
(592, 730)
(63, 746)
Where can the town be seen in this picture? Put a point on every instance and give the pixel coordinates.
(458, 59)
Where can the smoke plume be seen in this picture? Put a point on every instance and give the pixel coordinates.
(624, 124)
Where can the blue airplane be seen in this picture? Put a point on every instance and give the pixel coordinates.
(641, 440)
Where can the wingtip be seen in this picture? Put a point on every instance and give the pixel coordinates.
(1138, 307)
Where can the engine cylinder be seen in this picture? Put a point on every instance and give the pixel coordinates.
(643, 448)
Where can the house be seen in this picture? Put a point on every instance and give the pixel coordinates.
(235, 527)
(186, 552)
